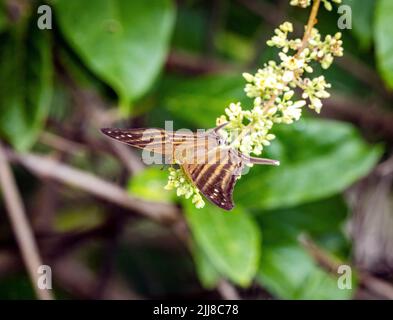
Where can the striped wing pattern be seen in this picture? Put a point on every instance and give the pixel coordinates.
(216, 181)
(152, 139)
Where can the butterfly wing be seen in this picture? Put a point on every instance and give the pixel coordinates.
(216, 180)
(151, 139)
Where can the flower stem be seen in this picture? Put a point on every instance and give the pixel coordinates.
(312, 21)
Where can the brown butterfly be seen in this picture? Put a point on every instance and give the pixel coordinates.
(208, 161)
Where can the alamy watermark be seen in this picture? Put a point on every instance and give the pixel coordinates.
(44, 21)
(345, 20)
(44, 281)
(344, 281)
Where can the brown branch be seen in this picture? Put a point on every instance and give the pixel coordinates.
(130, 160)
(385, 169)
(227, 290)
(60, 143)
(331, 265)
(21, 227)
(50, 168)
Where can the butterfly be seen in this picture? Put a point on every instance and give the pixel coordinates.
(206, 158)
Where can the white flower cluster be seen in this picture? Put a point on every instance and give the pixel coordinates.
(179, 181)
(306, 3)
(273, 88)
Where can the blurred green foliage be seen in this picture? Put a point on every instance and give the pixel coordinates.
(117, 40)
(121, 46)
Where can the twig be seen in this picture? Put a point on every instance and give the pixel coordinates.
(331, 264)
(60, 143)
(227, 290)
(312, 21)
(50, 168)
(127, 157)
(21, 227)
(385, 168)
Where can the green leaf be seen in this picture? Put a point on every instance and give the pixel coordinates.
(322, 220)
(230, 240)
(290, 273)
(362, 20)
(383, 39)
(318, 158)
(26, 84)
(149, 184)
(207, 274)
(123, 42)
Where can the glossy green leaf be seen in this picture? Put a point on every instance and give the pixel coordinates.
(207, 273)
(230, 240)
(318, 158)
(384, 40)
(289, 272)
(25, 84)
(362, 20)
(123, 42)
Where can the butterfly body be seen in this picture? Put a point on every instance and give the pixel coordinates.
(211, 164)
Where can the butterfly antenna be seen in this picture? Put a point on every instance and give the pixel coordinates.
(218, 128)
(263, 161)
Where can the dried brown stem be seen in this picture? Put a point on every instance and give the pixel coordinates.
(331, 264)
(21, 227)
(59, 143)
(53, 169)
(227, 290)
